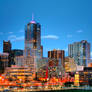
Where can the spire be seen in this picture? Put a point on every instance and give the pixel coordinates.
(33, 22)
(32, 16)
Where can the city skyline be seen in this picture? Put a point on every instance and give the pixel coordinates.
(75, 16)
(45, 45)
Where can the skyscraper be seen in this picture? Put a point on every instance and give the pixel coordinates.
(80, 51)
(33, 39)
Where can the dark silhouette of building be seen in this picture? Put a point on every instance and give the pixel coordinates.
(3, 62)
(6, 46)
(7, 49)
(14, 53)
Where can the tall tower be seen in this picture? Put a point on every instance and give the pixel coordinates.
(33, 39)
(80, 51)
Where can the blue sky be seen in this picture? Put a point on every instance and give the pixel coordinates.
(62, 21)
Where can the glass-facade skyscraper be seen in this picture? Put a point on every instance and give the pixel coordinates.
(33, 39)
(80, 51)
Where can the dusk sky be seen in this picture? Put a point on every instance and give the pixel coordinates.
(62, 22)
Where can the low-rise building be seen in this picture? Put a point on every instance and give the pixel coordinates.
(21, 73)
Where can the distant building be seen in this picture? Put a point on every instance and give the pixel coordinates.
(3, 61)
(6, 46)
(70, 65)
(80, 51)
(57, 54)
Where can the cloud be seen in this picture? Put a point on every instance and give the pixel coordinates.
(50, 37)
(21, 31)
(10, 32)
(69, 36)
(15, 38)
(79, 31)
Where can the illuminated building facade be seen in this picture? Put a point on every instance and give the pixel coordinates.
(49, 68)
(21, 73)
(55, 68)
(76, 79)
(70, 65)
(57, 54)
(84, 77)
(80, 51)
(56, 63)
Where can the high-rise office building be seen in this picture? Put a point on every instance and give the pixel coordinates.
(33, 39)
(80, 51)
(33, 49)
(6, 46)
(57, 54)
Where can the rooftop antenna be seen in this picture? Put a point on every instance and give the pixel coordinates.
(32, 16)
